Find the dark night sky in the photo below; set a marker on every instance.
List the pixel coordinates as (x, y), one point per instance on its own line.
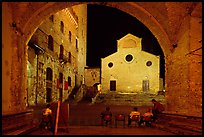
(106, 25)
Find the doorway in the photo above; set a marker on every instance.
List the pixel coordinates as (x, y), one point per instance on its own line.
(112, 85)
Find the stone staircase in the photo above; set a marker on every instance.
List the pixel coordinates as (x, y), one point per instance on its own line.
(132, 99)
(17, 124)
(180, 124)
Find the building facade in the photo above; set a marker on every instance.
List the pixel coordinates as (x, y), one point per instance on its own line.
(130, 69)
(53, 66)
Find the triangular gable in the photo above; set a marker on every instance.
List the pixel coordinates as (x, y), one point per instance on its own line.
(129, 41)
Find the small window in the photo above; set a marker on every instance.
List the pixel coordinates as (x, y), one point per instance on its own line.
(149, 63)
(50, 42)
(62, 26)
(61, 52)
(76, 44)
(69, 81)
(129, 58)
(61, 77)
(110, 64)
(49, 74)
(69, 57)
(70, 36)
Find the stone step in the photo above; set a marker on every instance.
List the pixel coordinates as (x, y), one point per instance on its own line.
(129, 99)
(182, 125)
(23, 130)
(17, 123)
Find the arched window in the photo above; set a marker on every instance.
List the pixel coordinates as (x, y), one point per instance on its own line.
(69, 80)
(76, 44)
(61, 52)
(49, 74)
(50, 42)
(70, 36)
(61, 77)
(70, 57)
(62, 26)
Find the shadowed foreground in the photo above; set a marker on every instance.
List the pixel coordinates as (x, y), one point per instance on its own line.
(84, 119)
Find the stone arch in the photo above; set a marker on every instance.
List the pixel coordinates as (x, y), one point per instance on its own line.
(131, 8)
(46, 10)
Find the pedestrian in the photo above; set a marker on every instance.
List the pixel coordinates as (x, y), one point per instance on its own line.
(132, 114)
(146, 118)
(157, 109)
(106, 116)
(47, 117)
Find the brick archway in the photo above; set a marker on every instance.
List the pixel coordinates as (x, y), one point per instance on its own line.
(129, 7)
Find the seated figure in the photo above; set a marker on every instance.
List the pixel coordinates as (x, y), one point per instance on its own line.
(106, 116)
(146, 118)
(120, 117)
(46, 118)
(134, 116)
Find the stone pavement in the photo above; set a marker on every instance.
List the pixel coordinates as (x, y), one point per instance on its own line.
(101, 130)
(84, 119)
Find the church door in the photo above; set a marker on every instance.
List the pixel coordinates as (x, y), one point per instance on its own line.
(112, 85)
(145, 85)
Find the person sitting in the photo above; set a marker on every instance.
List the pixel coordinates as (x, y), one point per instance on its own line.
(47, 117)
(157, 109)
(133, 113)
(106, 116)
(146, 118)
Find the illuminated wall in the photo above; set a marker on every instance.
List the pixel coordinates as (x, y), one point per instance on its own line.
(92, 76)
(132, 69)
(64, 27)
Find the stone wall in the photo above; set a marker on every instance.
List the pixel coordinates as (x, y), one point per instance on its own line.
(37, 86)
(92, 76)
(183, 71)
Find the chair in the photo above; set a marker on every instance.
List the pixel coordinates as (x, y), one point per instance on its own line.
(120, 117)
(147, 120)
(107, 119)
(136, 119)
(46, 122)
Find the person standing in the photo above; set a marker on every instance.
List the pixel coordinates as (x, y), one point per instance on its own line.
(157, 109)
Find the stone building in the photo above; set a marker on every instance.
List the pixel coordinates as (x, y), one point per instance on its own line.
(92, 80)
(130, 69)
(53, 67)
(92, 76)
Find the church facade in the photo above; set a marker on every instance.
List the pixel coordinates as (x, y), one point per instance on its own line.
(130, 70)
